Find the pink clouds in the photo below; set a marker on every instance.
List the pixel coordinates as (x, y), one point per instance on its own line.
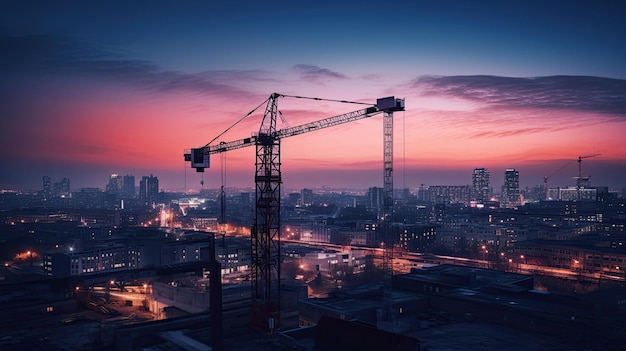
(119, 114)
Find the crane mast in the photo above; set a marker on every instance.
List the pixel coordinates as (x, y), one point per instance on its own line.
(545, 180)
(265, 268)
(266, 229)
(582, 181)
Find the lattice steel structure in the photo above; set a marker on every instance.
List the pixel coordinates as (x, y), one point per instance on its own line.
(265, 241)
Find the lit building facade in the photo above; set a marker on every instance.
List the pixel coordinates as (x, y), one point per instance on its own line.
(318, 233)
(510, 189)
(445, 194)
(416, 238)
(375, 199)
(115, 184)
(46, 187)
(306, 197)
(480, 185)
(98, 260)
(148, 190)
(572, 194)
(62, 188)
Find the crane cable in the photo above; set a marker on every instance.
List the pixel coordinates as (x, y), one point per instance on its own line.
(403, 156)
(281, 95)
(223, 167)
(331, 100)
(234, 124)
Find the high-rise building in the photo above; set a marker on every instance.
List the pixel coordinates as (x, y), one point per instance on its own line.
(148, 189)
(115, 184)
(128, 186)
(62, 188)
(306, 197)
(375, 198)
(46, 187)
(510, 189)
(480, 185)
(446, 194)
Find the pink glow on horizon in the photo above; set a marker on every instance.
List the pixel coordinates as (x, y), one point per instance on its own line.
(140, 134)
(139, 131)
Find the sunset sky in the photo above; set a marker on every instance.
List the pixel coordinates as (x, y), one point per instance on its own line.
(90, 88)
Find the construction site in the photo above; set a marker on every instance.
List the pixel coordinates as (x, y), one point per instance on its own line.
(370, 271)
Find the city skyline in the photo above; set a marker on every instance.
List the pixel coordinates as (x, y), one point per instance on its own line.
(92, 90)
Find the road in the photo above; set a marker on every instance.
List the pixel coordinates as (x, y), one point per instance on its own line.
(410, 259)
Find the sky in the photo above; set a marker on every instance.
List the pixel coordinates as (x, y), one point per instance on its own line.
(92, 88)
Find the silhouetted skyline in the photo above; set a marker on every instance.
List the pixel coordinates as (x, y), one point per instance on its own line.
(116, 87)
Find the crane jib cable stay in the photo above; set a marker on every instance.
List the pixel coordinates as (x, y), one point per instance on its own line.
(545, 179)
(265, 231)
(582, 181)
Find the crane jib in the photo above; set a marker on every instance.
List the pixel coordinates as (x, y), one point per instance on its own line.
(200, 157)
(265, 272)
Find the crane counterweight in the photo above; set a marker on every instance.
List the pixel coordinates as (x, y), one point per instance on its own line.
(390, 104)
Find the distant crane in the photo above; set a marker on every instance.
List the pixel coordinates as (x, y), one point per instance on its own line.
(580, 162)
(581, 181)
(545, 179)
(265, 267)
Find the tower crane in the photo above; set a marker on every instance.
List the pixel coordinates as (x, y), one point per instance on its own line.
(265, 233)
(580, 162)
(545, 179)
(581, 181)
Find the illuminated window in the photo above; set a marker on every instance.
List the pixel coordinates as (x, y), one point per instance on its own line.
(49, 309)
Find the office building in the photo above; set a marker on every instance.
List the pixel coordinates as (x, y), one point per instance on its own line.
(128, 186)
(105, 258)
(61, 189)
(306, 197)
(480, 185)
(115, 184)
(46, 187)
(447, 194)
(148, 189)
(510, 190)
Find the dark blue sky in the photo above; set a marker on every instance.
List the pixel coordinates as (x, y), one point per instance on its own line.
(98, 87)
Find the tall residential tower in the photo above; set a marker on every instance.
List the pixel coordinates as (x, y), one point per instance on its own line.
(480, 185)
(510, 189)
(148, 189)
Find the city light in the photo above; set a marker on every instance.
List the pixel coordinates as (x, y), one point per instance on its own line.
(26, 255)
(313, 253)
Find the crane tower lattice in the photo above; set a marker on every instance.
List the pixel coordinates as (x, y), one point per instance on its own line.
(266, 229)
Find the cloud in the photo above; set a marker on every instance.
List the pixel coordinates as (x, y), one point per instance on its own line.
(513, 132)
(70, 58)
(581, 93)
(316, 74)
